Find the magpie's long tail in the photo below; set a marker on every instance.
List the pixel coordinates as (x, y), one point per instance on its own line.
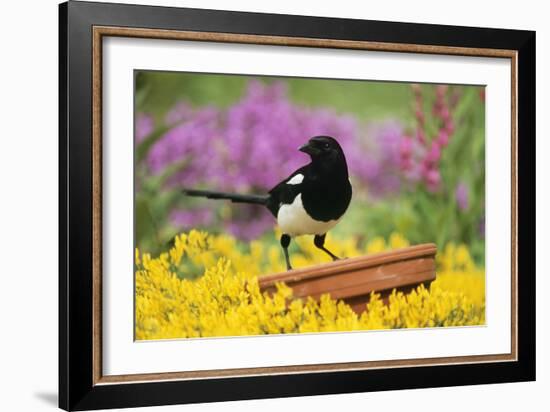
(235, 198)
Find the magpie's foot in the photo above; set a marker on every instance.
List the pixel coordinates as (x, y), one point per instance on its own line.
(285, 241)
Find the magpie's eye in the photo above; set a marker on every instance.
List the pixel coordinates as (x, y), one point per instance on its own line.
(326, 145)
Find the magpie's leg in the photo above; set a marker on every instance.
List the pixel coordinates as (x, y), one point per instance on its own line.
(319, 241)
(285, 241)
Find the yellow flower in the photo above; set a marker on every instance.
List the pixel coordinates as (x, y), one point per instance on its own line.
(397, 241)
(378, 244)
(226, 299)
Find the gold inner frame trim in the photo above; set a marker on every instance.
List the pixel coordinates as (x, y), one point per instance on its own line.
(101, 31)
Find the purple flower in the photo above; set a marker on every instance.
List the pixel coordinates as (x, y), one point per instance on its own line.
(379, 158)
(461, 195)
(144, 126)
(181, 112)
(187, 219)
(250, 223)
(482, 226)
(191, 143)
(265, 125)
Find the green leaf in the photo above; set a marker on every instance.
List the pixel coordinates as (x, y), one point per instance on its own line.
(146, 226)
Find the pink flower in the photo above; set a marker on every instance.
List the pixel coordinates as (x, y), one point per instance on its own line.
(433, 179)
(461, 195)
(434, 154)
(421, 136)
(444, 113)
(406, 146)
(443, 138)
(419, 116)
(449, 127)
(406, 164)
(405, 151)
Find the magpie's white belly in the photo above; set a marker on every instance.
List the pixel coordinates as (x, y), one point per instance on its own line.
(294, 220)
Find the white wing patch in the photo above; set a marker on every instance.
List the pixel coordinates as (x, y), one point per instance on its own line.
(296, 180)
(294, 220)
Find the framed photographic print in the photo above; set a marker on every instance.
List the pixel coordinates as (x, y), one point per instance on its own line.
(256, 205)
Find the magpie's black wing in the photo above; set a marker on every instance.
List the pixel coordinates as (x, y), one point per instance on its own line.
(285, 193)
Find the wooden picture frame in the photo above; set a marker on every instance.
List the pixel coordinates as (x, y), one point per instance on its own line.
(82, 27)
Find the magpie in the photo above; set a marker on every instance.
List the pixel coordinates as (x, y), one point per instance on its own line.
(310, 201)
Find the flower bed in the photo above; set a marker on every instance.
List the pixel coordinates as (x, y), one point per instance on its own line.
(226, 299)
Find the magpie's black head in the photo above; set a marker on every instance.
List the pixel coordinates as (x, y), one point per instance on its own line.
(326, 154)
(322, 148)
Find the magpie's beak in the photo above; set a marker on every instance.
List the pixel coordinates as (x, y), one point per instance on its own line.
(309, 149)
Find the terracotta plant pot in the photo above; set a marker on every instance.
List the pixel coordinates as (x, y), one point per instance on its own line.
(353, 280)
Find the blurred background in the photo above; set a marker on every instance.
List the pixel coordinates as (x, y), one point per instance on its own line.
(415, 153)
